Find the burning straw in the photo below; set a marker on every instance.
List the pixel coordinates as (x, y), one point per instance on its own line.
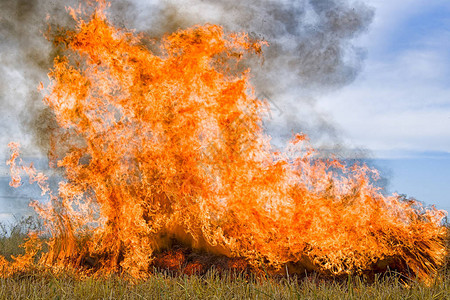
(166, 147)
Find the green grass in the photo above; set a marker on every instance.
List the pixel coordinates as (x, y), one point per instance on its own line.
(12, 235)
(212, 285)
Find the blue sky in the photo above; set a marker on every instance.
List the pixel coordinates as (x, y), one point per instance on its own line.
(399, 106)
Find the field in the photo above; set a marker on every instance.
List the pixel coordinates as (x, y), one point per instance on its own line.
(212, 285)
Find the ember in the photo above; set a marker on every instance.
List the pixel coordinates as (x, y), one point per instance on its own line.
(162, 147)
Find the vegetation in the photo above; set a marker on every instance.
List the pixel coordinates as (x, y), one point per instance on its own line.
(211, 285)
(13, 235)
(37, 284)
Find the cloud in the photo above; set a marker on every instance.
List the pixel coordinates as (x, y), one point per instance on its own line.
(401, 101)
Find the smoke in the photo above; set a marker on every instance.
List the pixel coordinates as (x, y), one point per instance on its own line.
(310, 53)
(25, 59)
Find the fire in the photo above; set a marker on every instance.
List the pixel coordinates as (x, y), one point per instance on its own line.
(165, 145)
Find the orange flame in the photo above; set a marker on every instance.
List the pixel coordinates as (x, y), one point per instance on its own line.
(165, 146)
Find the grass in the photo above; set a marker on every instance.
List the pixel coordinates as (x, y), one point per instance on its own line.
(12, 235)
(212, 285)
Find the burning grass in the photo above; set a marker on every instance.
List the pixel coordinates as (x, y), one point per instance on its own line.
(157, 148)
(166, 283)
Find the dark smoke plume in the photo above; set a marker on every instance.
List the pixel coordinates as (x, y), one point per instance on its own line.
(25, 58)
(310, 52)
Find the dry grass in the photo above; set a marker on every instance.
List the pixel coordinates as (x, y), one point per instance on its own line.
(212, 285)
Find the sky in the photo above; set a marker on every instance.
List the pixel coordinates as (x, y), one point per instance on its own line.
(401, 100)
(397, 107)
